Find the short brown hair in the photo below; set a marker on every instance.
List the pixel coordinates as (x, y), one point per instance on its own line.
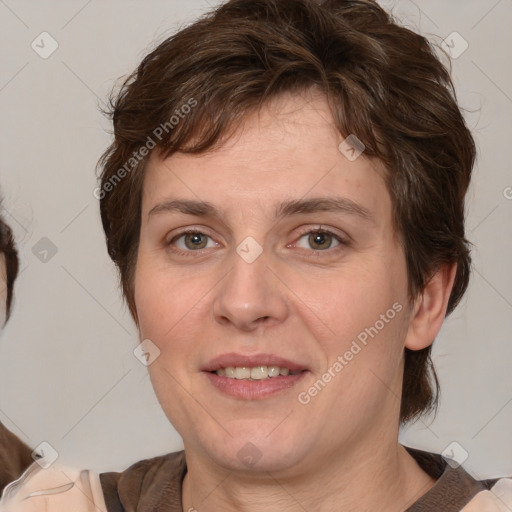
(8, 248)
(384, 84)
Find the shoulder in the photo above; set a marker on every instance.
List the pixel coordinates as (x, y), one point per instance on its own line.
(58, 488)
(146, 484)
(497, 499)
(15, 457)
(456, 490)
(61, 488)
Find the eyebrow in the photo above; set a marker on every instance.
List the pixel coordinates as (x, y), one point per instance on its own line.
(342, 205)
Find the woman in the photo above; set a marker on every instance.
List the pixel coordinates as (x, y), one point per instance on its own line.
(284, 199)
(15, 456)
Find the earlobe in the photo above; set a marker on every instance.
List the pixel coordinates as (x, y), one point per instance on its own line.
(429, 309)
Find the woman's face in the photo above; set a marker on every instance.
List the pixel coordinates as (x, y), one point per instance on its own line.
(257, 281)
(3, 290)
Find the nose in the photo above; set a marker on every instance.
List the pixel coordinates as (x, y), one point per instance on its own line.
(250, 296)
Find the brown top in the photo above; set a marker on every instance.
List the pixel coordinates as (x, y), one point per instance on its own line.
(15, 457)
(154, 485)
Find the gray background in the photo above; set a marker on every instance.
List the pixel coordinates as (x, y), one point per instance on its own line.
(68, 375)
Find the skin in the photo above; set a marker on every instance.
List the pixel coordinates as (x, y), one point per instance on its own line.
(3, 291)
(340, 451)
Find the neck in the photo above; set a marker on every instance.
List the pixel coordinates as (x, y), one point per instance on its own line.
(386, 479)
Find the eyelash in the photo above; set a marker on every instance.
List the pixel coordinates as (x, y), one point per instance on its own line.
(317, 253)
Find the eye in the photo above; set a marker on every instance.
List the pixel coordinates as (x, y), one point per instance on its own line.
(319, 240)
(192, 241)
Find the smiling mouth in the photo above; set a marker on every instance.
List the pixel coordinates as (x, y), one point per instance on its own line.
(261, 372)
(254, 383)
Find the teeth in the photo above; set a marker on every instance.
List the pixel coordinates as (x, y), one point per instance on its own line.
(260, 372)
(242, 372)
(273, 371)
(255, 373)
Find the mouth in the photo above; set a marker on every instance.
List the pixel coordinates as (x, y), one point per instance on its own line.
(253, 377)
(261, 372)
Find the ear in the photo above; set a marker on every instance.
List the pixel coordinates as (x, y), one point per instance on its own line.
(429, 309)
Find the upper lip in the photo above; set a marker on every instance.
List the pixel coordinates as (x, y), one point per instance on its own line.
(234, 359)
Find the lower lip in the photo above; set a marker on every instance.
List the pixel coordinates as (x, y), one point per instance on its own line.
(254, 389)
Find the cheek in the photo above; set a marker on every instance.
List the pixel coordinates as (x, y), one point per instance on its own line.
(168, 303)
(3, 309)
(357, 318)
(351, 299)
(3, 291)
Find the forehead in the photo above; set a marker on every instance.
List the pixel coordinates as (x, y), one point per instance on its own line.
(287, 150)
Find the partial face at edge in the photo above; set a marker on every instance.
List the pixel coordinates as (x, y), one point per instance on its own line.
(3, 291)
(305, 298)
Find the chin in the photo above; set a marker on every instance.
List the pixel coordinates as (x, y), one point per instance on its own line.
(257, 452)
